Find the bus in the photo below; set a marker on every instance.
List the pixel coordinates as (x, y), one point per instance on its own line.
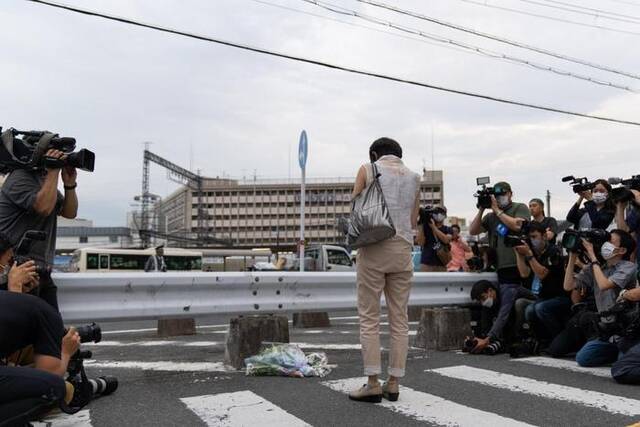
(114, 260)
(234, 259)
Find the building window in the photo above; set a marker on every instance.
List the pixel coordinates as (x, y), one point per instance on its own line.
(84, 239)
(113, 239)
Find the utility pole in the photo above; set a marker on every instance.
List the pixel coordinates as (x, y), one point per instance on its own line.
(548, 203)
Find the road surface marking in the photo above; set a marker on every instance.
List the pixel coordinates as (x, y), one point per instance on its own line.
(565, 364)
(320, 346)
(79, 419)
(161, 366)
(429, 408)
(242, 408)
(606, 402)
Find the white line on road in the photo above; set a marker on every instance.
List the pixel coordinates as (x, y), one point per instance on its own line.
(242, 408)
(606, 402)
(429, 408)
(568, 365)
(162, 366)
(79, 419)
(133, 331)
(321, 346)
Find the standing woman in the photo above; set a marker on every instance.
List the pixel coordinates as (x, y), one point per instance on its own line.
(387, 267)
(598, 210)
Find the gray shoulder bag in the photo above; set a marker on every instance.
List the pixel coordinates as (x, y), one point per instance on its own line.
(370, 221)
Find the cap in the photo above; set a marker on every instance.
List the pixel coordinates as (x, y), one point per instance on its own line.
(160, 247)
(501, 187)
(536, 200)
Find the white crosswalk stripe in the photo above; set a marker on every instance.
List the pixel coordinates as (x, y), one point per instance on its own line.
(568, 365)
(161, 366)
(242, 408)
(429, 408)
(79, 419)
(606, 402)
(159, 343)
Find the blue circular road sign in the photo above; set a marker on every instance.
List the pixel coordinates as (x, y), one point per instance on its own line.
(302, 150)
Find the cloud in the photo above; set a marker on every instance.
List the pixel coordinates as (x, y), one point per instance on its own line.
(229, 111)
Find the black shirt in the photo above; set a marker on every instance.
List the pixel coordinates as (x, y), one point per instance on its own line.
(28, 320)
(432, 245)
(549, 222)
(552, 260)
(590, 217)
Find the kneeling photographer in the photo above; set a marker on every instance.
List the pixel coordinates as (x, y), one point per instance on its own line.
(542, 261)
(434, 237)
(624, 320)
(605, 282)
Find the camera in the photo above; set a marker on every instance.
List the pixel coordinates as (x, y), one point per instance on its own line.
(27, 150)
(572, 239)
(475, 263)
(623, 193)
(512, 240)
(86, 389)
(622, 319)
(579, 184)
(22, 251)
(426, 214)
(484, 193)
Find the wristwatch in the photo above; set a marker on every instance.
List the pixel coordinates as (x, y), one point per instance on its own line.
(71, 187)
(528, 258)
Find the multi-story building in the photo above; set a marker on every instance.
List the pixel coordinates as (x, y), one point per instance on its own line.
(266, 213)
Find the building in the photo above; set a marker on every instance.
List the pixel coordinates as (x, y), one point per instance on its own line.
(77, 233)
(266, 213)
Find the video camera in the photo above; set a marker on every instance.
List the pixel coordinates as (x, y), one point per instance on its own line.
(572, 239)
(86, 389)
(484, 193)
(623, 193)
(579, 184)
(427, 213)
(22, 251)
(27, 150)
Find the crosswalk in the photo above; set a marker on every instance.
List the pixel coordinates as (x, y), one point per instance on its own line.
(424, 404)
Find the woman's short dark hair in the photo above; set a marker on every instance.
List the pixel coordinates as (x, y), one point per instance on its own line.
(456, 226)
(384, 146)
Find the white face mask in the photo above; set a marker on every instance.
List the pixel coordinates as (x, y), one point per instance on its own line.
(488, 303)
(607, 250)
(600, 197)
(503, 201)
(538, 244)
(439, 217)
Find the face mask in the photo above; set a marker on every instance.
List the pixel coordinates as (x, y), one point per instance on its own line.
(488, 303)
(537, 244)
(600, 197)
(607, 250)
(503, 201)
(439, 217)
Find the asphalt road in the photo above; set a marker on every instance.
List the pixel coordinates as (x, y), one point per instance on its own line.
(182, 381)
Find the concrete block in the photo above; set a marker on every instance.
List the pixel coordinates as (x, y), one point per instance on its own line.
(443, 328)
(247, 334)
(311, 320)
(415, 312)
(175, 327)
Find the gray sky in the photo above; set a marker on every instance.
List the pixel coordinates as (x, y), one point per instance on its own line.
(113, 86)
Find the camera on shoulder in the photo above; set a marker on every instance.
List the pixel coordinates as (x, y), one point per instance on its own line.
(622, 193)
(429, 212)
(484, 193)
(27, 150)
(579, 185)
(572, 240)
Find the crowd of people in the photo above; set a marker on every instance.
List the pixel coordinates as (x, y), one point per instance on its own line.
(547, 299)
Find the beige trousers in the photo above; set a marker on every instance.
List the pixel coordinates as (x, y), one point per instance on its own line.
(384, 267)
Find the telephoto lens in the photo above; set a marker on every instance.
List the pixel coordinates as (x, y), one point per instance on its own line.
(104, 386)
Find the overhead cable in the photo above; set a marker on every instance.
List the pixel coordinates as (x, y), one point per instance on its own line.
(472, 48)
(328, 65)
(499, 39)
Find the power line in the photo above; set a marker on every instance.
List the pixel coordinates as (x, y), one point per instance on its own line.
(470, 47)
(550, 18)
(328, 65)
(584, 11)
(630, 3)
(353, 24)
(499, 39)
(591, 9)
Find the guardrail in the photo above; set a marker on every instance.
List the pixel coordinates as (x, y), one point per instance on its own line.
(137, 296)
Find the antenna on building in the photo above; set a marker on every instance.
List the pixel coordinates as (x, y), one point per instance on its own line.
(548, 203)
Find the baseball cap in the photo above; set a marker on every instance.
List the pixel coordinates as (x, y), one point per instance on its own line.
(501, 187)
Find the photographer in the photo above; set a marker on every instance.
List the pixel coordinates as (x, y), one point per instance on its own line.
(542, 259)
(626, 370)
(631, 222)
(550, 225)
(30, 200)
(460, 251)
(598, 210)
(506, 217)
(606, 282)
(434, 238)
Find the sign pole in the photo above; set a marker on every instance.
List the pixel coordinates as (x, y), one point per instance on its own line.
(302, 159)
